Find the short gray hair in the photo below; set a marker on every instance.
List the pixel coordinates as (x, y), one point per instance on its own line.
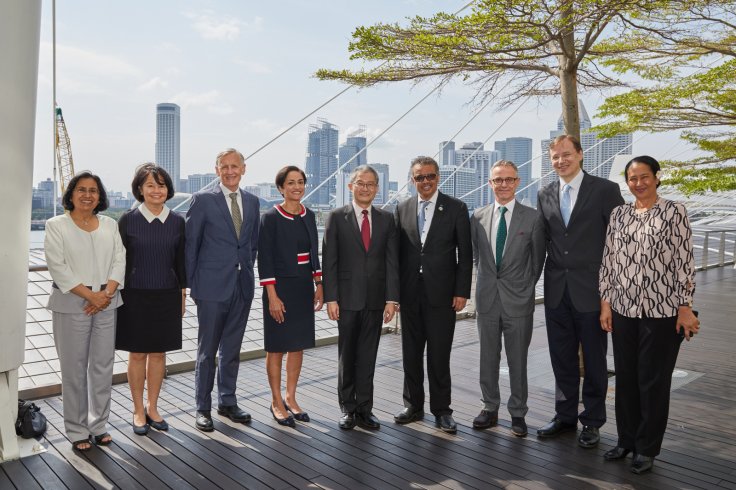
(425, 160)
(360, 169)
(505, 163)
(229, 151)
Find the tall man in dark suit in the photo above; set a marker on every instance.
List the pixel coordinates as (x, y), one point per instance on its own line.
(221, 246)
(509, 249)
(435, 268)
(361, 284)
(576, 209)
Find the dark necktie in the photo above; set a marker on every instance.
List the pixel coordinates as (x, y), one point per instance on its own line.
(235, 212)
(500, 236)
(365, 230)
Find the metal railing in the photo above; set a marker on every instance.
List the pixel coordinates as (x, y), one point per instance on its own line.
(714, 247)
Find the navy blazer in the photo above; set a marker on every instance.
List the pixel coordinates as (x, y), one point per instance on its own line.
(277, 251)
(446, 258)
(575, 251)
(217, 261)
(358, 279)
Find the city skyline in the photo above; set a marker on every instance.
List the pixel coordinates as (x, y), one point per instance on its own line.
(241, 75)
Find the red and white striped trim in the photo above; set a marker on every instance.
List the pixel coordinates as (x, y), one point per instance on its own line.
(287, 215)
(267, 281)
(302, 258)
(317, 273)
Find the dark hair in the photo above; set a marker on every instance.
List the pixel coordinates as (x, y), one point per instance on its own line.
(281, 175)
(160, 175)
(646, 160)
(66, 199)
(572, 139)
(423, 160)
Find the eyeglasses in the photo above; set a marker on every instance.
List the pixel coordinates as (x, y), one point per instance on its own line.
(366, 185)
(427, 177)
(507, 180)
(84, 190)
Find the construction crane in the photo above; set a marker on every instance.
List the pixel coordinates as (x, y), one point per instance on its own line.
(63, 152)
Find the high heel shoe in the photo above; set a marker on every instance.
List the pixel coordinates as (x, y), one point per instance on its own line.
(288, 421)
(301, 416)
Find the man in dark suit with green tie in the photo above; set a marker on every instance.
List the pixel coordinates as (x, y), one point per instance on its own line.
(436, 268)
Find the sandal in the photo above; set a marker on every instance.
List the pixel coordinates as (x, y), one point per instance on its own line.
(103, 439)
(77, 445)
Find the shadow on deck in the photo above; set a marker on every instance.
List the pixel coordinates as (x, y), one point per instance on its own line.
(699, 449)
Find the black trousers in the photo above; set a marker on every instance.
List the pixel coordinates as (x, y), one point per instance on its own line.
(566, 329)
(359, 333)
(423, 324)
(645, 352)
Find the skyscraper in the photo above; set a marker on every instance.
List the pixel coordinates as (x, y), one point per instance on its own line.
(383, 185)
(598, 153)
(352, 148)
(468, 170)
(321, 161)
(168, 140)
(519, 151)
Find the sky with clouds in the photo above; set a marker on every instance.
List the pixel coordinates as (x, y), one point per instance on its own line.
(242, 71)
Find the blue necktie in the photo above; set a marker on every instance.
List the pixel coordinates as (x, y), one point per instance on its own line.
(500, 237)
(422, 217)
(565, 208)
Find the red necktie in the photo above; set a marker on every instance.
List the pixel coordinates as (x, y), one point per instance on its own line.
(365, 230)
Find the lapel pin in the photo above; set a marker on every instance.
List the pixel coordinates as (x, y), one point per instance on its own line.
(440, 208)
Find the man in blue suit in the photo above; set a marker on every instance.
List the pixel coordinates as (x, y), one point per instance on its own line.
(221, 246)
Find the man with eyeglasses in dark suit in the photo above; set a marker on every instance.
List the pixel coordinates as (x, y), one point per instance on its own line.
(435, 271)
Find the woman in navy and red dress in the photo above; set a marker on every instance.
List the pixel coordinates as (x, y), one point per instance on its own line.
(289, 270)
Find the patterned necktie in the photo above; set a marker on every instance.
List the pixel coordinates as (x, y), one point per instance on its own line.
(500, 236)
(422, 217)
(235, 211)
(565, 204)
(365, 230)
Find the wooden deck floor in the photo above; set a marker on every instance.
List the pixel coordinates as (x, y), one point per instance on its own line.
(699, 449)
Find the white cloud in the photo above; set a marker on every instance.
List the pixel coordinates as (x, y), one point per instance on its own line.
(254, 67)
(152, 84)
(221, 27)
(210, 101)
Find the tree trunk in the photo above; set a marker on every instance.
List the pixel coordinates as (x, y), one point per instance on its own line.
(569, 93)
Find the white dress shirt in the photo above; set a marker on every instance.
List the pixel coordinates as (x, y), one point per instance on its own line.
(150, 216)
(574, 188)
(428, 214)
(497, 218)
(359, 216)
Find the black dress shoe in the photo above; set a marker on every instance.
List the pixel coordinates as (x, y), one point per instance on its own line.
(616, 453)
(140, 430)
(160, 425)
(367, 421)
(300, 416)
(589, 437)
(518, 427)
(408, 415)
(204, 421)
(642, 464)
(234, 413)
(288, 421)
(446, 423)
(555, 427)
(485, 419)
(347, 421)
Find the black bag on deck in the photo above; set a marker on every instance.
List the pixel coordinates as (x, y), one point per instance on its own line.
(31, 422)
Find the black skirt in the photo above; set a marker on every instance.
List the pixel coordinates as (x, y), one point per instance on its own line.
(297, 331)
(149, 320)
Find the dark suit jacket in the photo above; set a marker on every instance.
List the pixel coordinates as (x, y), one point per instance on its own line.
(446, 258)
(357, 279)
(575, 251)
(521, 266)
(216, 260)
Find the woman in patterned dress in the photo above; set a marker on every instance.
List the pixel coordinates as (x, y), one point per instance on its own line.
(646, 282)
(289, 270)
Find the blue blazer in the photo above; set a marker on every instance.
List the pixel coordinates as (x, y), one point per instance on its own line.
(216, 260)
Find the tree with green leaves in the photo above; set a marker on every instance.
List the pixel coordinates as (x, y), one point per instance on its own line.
(508, 49)
(687, 58)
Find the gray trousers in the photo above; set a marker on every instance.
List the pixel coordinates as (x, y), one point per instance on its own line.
(517, 335)
(86, 348)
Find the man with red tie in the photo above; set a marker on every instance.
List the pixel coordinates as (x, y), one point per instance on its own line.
(361, 285)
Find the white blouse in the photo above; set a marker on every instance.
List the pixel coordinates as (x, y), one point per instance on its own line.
(75, 256)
